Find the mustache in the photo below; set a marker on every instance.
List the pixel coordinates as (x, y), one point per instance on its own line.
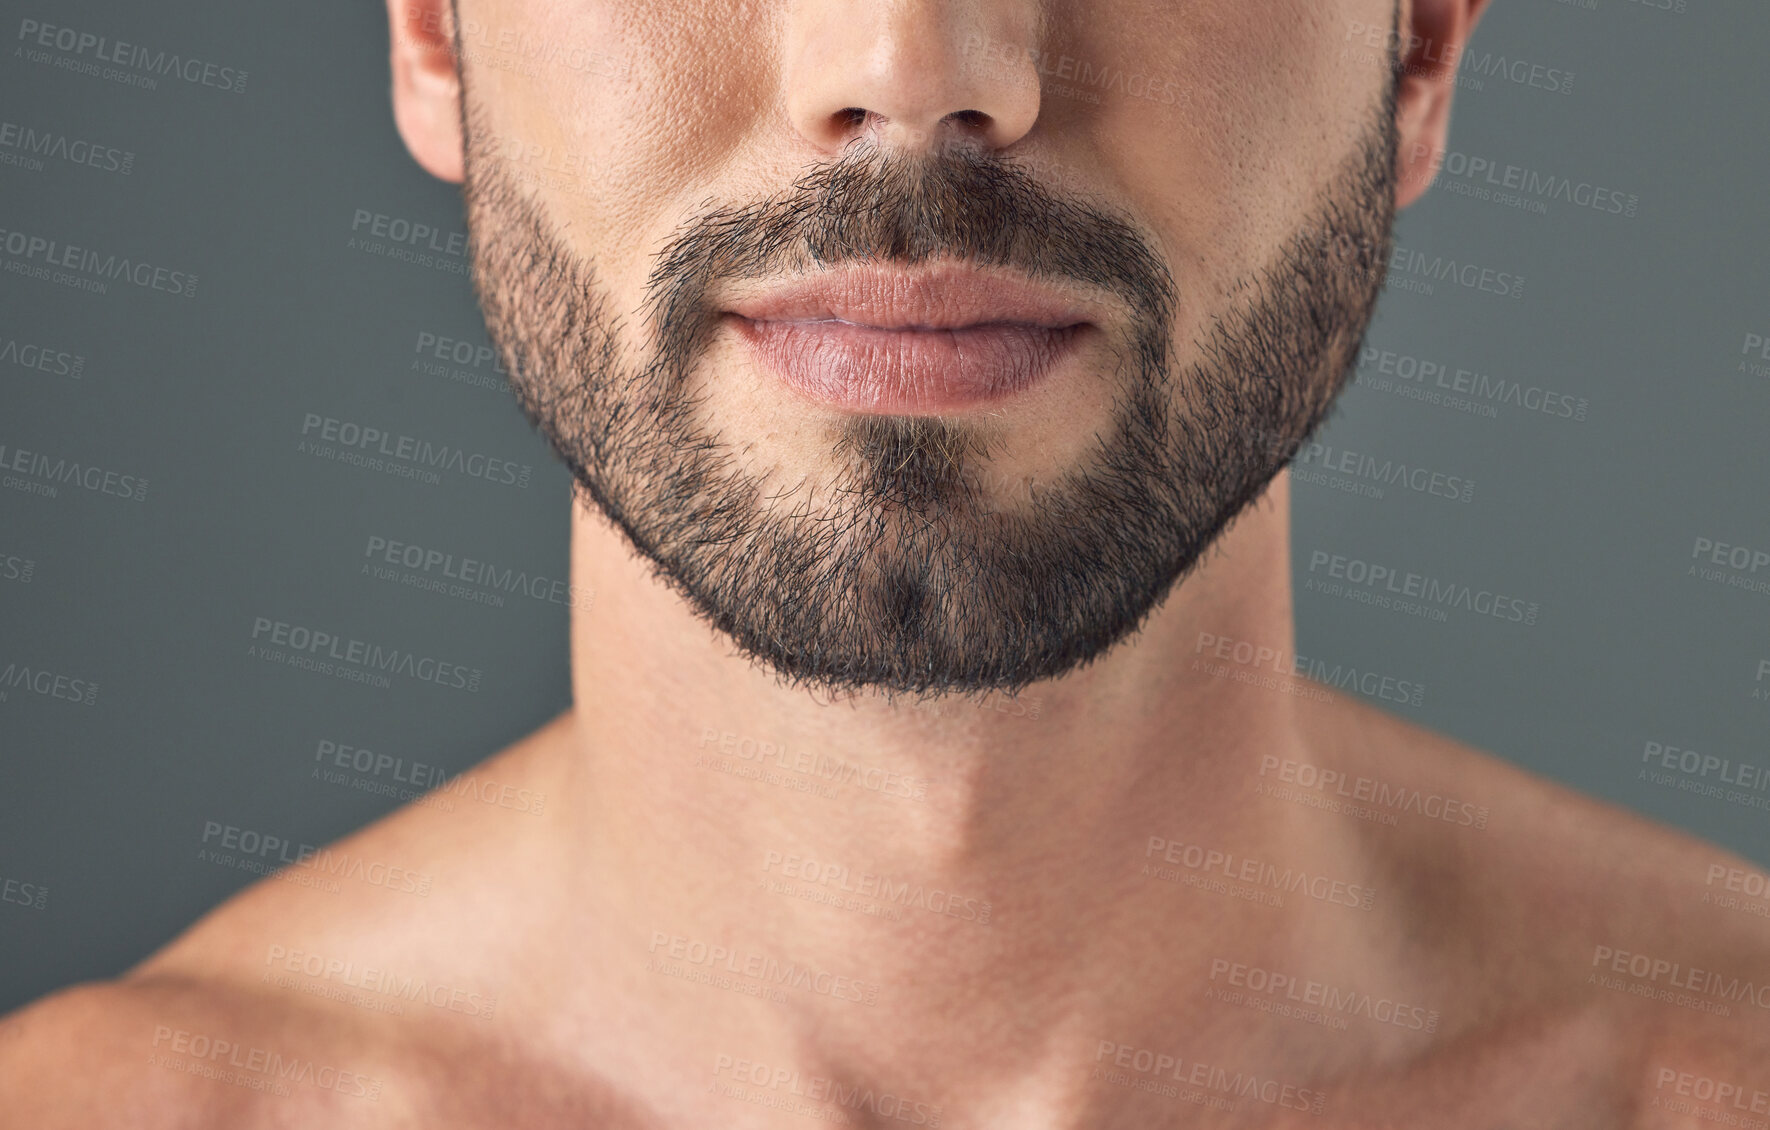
(884, 206)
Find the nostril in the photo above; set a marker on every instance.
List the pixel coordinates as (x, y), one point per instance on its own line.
(971, 119)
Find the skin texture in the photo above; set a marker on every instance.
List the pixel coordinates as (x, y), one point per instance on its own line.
(688, 787)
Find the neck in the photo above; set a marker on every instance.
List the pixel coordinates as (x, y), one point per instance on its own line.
(1020, 862)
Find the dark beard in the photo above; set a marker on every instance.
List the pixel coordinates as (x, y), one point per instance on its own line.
(915, 575)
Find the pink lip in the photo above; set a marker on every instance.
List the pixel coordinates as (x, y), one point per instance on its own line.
(921, 342)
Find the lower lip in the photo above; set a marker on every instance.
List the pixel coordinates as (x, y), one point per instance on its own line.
(907, 371)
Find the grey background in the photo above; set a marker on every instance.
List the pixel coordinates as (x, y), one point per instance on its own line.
(1644, 317)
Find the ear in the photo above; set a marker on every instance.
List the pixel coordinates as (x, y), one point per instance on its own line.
(1433, 34)
(427, 84)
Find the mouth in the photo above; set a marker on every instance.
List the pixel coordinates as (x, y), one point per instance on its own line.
(927, 342)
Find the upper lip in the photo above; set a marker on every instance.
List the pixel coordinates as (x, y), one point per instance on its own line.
(942, 297)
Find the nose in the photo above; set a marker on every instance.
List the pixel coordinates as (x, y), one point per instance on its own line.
(913, 73)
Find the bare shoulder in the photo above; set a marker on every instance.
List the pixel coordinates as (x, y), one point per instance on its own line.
(1549, 903)
(343, 990)
(1502, 835)
(163, 1052)
(422, 884)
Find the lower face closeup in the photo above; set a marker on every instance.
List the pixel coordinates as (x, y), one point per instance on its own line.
(908, 363)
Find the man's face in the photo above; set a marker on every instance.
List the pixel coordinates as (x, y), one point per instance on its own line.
(926, 353)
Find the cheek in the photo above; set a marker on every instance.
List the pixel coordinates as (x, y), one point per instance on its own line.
(636, 110)
(1267, 108)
